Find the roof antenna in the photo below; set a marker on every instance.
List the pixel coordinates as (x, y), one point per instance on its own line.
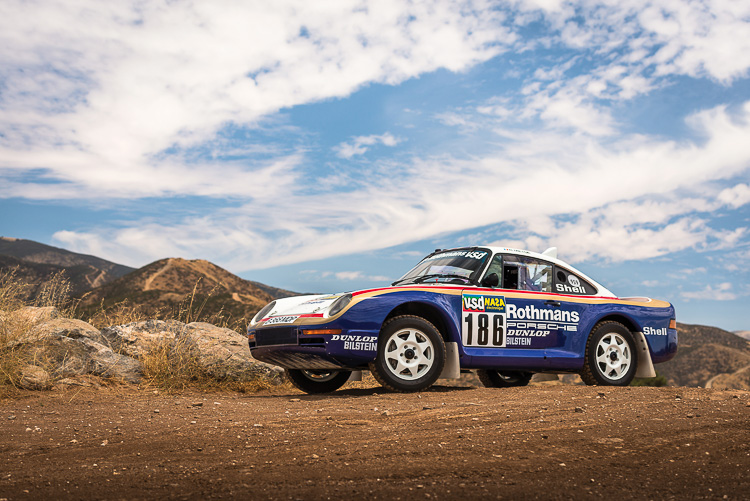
(551, 252)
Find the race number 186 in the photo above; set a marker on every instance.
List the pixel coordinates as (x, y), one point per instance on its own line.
(483, 329)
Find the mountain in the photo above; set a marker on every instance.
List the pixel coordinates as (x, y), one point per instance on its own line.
(38, 262)
(161, 288)
(705, 353)
(743, 334)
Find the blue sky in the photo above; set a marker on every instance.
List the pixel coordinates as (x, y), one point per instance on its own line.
(324, 146)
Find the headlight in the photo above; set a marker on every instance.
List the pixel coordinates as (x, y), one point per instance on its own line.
(338, 305)
(262, 313)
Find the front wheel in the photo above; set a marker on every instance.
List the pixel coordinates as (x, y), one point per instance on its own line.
(503, 379)
(411, 354)
(317, 381)
(611, 357)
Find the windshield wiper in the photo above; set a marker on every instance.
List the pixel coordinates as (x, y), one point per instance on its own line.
(421, 279)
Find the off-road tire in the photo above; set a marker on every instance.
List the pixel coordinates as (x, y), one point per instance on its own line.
(592, 374)
(503, 379)
(305, 381)
(408, 329)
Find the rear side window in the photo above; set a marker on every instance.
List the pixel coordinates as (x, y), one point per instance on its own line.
(570, 283)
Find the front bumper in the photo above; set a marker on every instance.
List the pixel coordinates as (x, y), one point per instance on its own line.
(287, 346)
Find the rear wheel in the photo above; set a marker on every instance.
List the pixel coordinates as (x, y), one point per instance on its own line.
(411, 354)
(611, 357)
(317, 381)
(503, 379)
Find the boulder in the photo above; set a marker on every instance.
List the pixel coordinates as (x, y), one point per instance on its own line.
(225, 353)
(64, 327)
(75, 348)
(35, 378)
(34, 315)
(137, 338)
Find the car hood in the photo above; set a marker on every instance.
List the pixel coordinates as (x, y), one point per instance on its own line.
(313, 304)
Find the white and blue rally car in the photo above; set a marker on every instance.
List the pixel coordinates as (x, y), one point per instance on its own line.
(506, 313)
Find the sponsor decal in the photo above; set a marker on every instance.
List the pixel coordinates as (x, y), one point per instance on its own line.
(531, 312)
(579, 289)
(483, 320)
(357, 343)
(467, 254)
(484, 303)
(533, 327)
(653, 331)
(288, 319)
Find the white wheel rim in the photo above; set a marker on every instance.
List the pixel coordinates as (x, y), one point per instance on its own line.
(613, 356)
(320, 377)
(409, 354)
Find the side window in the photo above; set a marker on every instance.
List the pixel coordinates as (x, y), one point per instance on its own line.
(526, 274)
(569, 283)
(496, 266)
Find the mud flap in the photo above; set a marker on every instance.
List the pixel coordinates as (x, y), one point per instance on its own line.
(452, 368)
(645, 365)
(355, 376)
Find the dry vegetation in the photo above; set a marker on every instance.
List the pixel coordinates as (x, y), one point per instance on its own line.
(172, 365)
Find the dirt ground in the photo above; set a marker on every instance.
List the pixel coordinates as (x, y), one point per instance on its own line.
(539, 442)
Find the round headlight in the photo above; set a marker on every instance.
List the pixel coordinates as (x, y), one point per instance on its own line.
(262, 313)
(338, 305)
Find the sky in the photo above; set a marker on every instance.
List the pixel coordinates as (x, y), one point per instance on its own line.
(327, 146)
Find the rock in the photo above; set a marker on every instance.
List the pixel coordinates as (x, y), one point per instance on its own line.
(62, 327)
(76, 348)
(226, 354)
(35, 315)
(137, 338)
(35, 378)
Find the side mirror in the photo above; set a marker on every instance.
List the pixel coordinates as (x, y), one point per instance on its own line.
(491, 280)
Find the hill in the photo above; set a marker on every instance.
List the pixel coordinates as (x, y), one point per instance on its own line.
(38, 262)
(705, 353)
(162, 288)
(743, 334)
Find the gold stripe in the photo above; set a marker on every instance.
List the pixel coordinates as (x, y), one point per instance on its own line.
(653, 303)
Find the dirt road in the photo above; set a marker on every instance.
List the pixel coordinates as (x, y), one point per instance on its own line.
(540, 442)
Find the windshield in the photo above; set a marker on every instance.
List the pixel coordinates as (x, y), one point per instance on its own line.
(454, 266)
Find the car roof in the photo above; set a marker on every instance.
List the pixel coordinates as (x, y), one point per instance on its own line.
(601, 290)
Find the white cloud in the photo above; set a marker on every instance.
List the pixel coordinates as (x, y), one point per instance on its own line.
(722, 292)
(113, 97)
(736, 196)
(627, 198)
(359, 145)
(93, 93)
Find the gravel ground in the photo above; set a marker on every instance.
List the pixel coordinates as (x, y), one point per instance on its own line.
(538, 442)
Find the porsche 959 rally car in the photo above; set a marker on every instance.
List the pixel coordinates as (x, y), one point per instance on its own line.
(506, 313)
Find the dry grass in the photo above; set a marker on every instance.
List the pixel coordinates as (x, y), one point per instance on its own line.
(14, 355)
(118, 314)
(192, 309)
(173, 365)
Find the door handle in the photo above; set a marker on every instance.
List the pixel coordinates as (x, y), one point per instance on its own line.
(552, 303)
